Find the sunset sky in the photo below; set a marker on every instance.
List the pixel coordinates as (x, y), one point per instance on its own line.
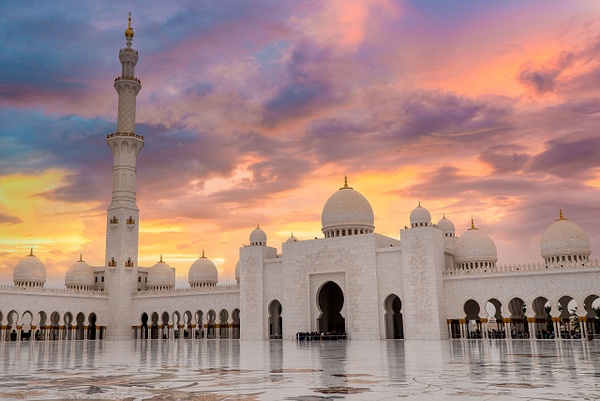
(253, 112)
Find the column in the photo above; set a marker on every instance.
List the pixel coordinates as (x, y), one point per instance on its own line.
(484, 328)
(449, 321)
(506, 328)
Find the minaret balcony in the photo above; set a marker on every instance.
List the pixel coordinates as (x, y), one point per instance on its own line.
(114, 221)
(112, 263)
(131, 134)
(134, 79)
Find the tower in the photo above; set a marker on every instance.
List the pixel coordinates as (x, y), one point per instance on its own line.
(123, 214)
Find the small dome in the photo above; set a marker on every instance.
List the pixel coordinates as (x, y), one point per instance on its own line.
(80, 274)
(475, 246)
(258, 237)
(237, 272)
(420, 217)
(292, 239)
(129, 31)
(203, 272)
(346, 212)
(161, 276)
(564, 237)
(446, 226)
(30, 272)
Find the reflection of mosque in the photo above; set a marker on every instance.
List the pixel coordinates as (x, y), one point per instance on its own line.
(426, 284)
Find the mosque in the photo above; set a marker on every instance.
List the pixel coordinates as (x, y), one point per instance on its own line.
(428, 283)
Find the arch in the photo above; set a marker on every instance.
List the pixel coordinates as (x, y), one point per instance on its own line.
(91, 329)
(330, 300)
(144, 328)
(154, 326)
(394, 325)
(235, 318)
(223, 324)
(211, 318)
(54, 326)
(26, 323)
(176, 325)
(165, 326)
(569, 320)
(199, 324)
(519, 327)
(41, 331)
(542, 320)
(187, 323)
(275, 321)
(473, 322)
(495, 325)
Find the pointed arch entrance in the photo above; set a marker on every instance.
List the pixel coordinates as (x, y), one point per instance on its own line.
(330, 300)
(394, 326)
(275, 321)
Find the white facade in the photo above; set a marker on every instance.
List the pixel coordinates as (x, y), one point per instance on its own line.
(428, 283)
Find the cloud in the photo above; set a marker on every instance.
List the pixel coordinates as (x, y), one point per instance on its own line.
(9, 220)
(505, 158)
(568, 157)
(307, 86)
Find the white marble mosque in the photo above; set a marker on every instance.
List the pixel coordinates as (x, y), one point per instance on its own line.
(426, 284)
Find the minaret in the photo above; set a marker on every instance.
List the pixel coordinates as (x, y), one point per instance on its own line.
(123, 214)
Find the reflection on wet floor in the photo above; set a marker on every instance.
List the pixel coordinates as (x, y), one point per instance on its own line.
(217, 370)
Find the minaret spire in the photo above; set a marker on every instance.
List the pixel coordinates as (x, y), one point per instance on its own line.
(122, 223)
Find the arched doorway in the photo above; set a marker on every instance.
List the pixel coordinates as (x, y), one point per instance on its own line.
(275, 322)
(79, 327)
(235, 317)
(144, 329)
(331, 300)
(91, 331)
(394, 326)
(472, 321)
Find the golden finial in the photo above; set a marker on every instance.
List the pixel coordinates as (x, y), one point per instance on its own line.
(161, 261)
(346, 183)
(129, 31)
(80, 257)
(419, 205)
(473, 225)
(203, 257)
(443, 216)
(31, 252)
(560, 215)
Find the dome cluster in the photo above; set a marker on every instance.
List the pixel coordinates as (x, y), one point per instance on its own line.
(347, 212)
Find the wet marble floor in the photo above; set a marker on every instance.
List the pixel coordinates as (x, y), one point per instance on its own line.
(215, 370)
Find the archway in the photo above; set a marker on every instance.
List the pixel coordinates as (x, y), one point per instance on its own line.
(473, 323)
(569, 321)
(40, 333)
(54, 326)
(223, 324)
(26, 322)
(187, 323)
(199, 324)
(591, 304)
(275, 321)
(154, 327)
(11, 328)
(495, 325)
(79, 328)
(542, 326)
(165, 326)
(144, 330)
(518, 321)
(235, 317)
(211, 318)
(331, 300)
(91, 331)
(394, 326)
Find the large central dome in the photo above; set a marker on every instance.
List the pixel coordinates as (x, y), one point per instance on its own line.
(347, 212)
